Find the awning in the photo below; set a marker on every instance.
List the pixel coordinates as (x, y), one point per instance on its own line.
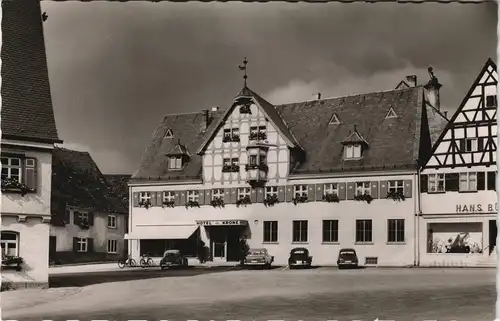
(161, 232)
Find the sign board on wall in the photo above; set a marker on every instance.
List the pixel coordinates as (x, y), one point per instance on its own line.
(223, 223)
(477, 208)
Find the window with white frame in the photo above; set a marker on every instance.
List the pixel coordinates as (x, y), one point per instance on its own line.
(175, 162)
(435, 183)
(112, 246)
(144, 197)
(82, 216)
(112, 221)
(82, 244)
(395, 187)
(10, 243)
(363, 188)
(300, 231)
(217, 193)
(168, 196)
(331, 189)
(468, 182)
(395, 230)
(243, 192)
(300, 190)
(470, 145)
(270, 231)
(271, 191)
(352, 151)
(193, 196)
(11, 168)
(330, 231)
(227, 132)
(364, 231)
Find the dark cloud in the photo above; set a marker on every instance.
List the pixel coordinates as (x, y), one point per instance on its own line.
(116, 68)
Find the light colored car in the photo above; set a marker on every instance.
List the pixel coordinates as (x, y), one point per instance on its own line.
(258, 257)
(173, 258)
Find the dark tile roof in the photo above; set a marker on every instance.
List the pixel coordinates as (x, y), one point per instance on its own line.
(190, 129)
(354, 137)
(393, 142)
(27, 112)
(77, 181)
(119, 186)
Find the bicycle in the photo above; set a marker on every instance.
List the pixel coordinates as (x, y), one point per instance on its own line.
(146, 261)
(127, 262)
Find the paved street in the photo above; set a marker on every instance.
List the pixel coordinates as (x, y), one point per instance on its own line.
(317, 294)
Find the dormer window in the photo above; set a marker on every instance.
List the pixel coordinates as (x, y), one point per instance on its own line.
(352, 151)
(258, 133)
(175, 162)
(231, 135)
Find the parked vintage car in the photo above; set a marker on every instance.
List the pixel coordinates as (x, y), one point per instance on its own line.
(347, 258)
(173, 258)
(299, 257)
(258, 257)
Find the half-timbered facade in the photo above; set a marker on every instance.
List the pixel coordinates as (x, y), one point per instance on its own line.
(28, 136)
(323, 174)
(458, 183)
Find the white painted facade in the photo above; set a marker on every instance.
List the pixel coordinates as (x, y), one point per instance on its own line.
(27, 217)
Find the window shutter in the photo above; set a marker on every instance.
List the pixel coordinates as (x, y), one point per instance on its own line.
(253, 195)
(135, 196)
(374, 190)
(201, 200)
(30, 173)
(90, 245)
(384, 187)
(281, 193)
(75, 244)
(480, 144)
(67, 216)
(159, 198)
(289, 193)
(462, 145)
(76, 218)
(491, 181)
(481, 181)
(311, 192)
(182, 198)
(408, 191)
(227, 195)
(260, 194)
(350, 191)
(177, 198)
(91, 218)
(342, 191)
(424, 183)
(319, 192)
(451, 182)
(153, 198)
(234, 195)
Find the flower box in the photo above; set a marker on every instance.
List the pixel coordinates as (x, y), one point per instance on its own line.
(13, 185)
(169, 204)
(84, 224)
(331, 198)
(245, 109)
(262, 167)
(364, 197)
(258, 136)
(271, 200)
(397, 196)
(217, 202)
(12, 262)
(230, 168)
(145, 204)
(192, 204)
(243, 201)
(299, 199)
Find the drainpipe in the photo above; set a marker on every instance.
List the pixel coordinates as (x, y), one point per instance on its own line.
(417, 218)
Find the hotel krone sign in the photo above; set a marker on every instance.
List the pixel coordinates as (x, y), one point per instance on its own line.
(222, 222)
(477, 208)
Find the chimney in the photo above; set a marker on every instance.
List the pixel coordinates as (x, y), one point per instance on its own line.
(207, 119)
(216, 108)
(319, 96)
(431, 90)
(411, 80)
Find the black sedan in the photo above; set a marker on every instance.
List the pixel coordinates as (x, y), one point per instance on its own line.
(173, 258)
(347, 258)
(299, 257)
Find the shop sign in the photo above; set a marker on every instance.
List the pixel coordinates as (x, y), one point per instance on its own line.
(475, 208)
(222, 222)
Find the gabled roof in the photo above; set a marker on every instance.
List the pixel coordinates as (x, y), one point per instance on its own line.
(354, 137)
(178, 150)
(27, 112)
(77, 181)
(402, 85)
(269, 111)
(451, 123)
(119, 186)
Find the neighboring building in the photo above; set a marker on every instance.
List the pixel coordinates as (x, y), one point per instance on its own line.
(89, 219)
(458, 183)
(301, 174)
(119, 186)
(28, 137)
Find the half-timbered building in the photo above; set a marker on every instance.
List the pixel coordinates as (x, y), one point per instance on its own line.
(458, 193)
(323, 174)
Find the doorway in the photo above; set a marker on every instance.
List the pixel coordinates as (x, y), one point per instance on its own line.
(224, 242)
(52, 246)
(492, 235)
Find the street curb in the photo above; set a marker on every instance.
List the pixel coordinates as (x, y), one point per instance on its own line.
(83, 264)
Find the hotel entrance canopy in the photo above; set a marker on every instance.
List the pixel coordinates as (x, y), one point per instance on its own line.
(162, 232)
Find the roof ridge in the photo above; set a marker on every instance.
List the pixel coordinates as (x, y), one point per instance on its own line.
(347, 96)
(188, 113)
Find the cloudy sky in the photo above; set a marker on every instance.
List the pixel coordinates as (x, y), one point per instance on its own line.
(117, 68)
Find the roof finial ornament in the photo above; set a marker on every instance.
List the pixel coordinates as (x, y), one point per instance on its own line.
(244, 68)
